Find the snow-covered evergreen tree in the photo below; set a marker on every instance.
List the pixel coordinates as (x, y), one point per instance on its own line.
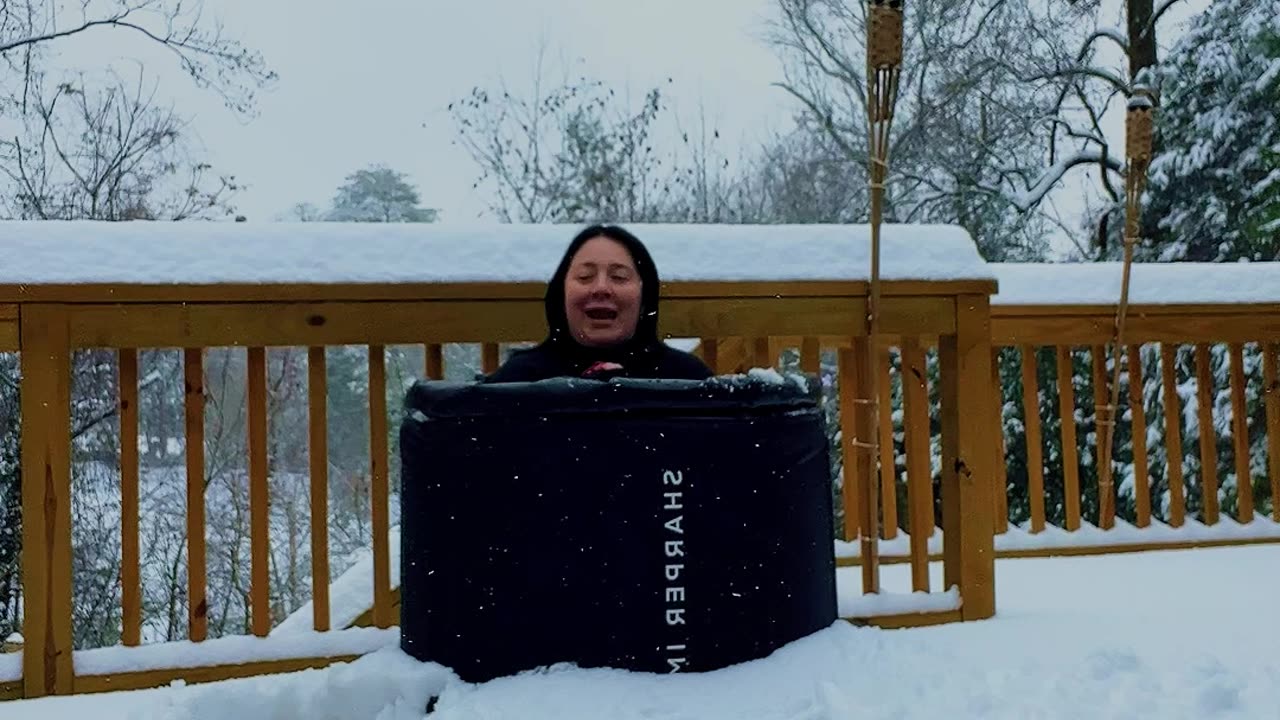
(1215, 186)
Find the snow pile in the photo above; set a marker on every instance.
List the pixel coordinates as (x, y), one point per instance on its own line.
(1017, 538)
(141, 252)
(853, 603)
(773, 377)
(1125, 533)
(386, 685)
(1150, 283)
(10, 667)
(350, 596)
(233, 650)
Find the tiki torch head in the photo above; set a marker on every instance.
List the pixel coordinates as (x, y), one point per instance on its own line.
(884, 34)
(1139, 128)
(1139, 131)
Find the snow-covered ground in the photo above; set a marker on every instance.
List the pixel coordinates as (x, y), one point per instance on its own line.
(1180, 634)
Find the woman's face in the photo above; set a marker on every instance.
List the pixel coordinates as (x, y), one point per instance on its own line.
(602, 293)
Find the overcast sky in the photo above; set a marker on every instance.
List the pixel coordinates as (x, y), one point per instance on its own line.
(368, 82)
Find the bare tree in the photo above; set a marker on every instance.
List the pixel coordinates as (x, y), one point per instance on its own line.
(980, 103)
(108, 152)
(200, 46)
(567, 152)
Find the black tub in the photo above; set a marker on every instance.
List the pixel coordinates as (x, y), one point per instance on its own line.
(654, 526)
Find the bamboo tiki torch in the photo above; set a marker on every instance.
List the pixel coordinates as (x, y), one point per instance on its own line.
(884, 62)
(1138, 142)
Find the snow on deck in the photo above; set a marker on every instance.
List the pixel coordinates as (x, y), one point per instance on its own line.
(1089, 536)
(73, 252)
(351, 595)
(1181, 634)
(232, 650)
(1149, 283)
(10, 666)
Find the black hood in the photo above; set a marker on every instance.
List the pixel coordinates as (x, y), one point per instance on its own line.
(645, 340)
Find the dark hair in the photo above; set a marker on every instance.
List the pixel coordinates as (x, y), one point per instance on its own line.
(646, 332)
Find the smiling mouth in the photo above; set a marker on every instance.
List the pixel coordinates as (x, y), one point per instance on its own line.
(602, 314)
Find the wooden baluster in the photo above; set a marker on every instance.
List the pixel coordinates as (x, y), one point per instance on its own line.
(1070, 453)
(848, 372)
(1001, 487)
(380, 487)
(259, 495)
(1035, 442)
(888, 468)
(197, 559)
(1172, 434)
(915, 412)
(1208, 438)
(1102, 453)
(711, 353)
(1240, 436)
(761, 357)
(130, 576)
(810, 356)
(434, 361)
(318, 450)
(1141, 474)
(490, 356)
(1271, 381)
(868, 495)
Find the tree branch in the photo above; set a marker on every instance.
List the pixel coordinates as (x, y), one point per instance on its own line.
(1028, 199)
(1084, 71)
(1158, 13)
(36, 39)
(827, 122)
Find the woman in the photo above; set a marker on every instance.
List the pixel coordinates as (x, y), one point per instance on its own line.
(602, 311)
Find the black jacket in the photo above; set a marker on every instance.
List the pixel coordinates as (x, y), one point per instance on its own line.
(643, 356)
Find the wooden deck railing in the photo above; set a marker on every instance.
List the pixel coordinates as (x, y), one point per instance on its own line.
(1052, 504)
(1180, 345)
(48, 324)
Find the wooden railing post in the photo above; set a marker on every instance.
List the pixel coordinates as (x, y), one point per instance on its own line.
(46, 500)
(968, 458)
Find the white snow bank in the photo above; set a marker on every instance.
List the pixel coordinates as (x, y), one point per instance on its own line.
(1149, 284)
(1062, 647)
(233, 651)
(386, 685)
(1089, 535)
(10, 667)
(154, 252)
(350, 596)
(854, 604)
(1124, 533)
(14, 638)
